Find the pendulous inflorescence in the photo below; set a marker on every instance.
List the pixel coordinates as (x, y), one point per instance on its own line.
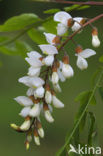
(46, 71)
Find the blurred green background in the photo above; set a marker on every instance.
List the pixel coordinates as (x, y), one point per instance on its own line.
(11, 143)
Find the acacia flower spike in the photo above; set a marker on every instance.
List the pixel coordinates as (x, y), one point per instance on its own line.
(45, 72)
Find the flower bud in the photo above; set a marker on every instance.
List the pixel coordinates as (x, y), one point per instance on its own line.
(48, 61)
(26, 124)
(47, 113)
(57, 88)
(56, 102)
(95, 39)
(40, 129)
(36, 137)
(15, 127)
(27, 144)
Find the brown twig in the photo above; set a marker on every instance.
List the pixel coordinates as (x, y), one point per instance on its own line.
(79, 3)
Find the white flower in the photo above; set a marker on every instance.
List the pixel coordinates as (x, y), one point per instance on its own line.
(57, 87)
(95, 41)
(30, 92)
(48, 116)
(39, 92)
(35, 111)
(61, 77)
(34, 82)
(57, 103)
(48, 97)
(48, 49)
(67, 71)
(61, 29)
(34, 71)
(37, 140)
(48, 60)
(25, 112)
(62, 17)
(41, 132)
(81, 61)
(50, 37)
(55, 78)
(26, 125)
(24, 101)
(76, 26)
(65, 20)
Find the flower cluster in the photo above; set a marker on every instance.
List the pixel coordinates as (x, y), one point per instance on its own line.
(44, 74)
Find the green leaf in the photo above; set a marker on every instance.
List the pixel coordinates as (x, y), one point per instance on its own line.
(101, 92)
(50, 25)
(71, 8)
(15, 48)
(51, 11)
(37, 36)
(19, 22)
(101, 59)
(84, 96)
(91, 128)
(84, 7)
(95, 75)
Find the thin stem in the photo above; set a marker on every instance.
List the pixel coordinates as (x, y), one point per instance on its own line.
(79, 3)
(79, 120)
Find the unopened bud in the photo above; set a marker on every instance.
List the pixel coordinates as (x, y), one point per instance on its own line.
(78, 49)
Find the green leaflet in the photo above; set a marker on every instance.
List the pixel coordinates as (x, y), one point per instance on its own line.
(50, 25)
(19, 22)
(37, 36)
(101, 92)
(15, 48)
(71, 8)
(51, 11)
(101, 59)
(84, 7)
(91, 125)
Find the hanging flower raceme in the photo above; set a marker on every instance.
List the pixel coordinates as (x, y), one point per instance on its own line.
(44, 76)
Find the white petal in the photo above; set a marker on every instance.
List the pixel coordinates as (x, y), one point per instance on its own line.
(37, 140)
(82, 63)
(48, 49)
(48, 61)
(34, 62)
(34, 71)
(55, 78)
(62, 17)
(48, 116)
(34, 54)
(67, 71)
(87, 53)
(76, 25)
(25, 112)
(26, 125)
(41, 132)
(57, 88)
(32, 81)
(95, 41)
(61, 29)
(39, 92)
(30, 92)
(49, 37)
(24, 101)
(48, 97)
(35, 111)
(61, 77)
(57, 103)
